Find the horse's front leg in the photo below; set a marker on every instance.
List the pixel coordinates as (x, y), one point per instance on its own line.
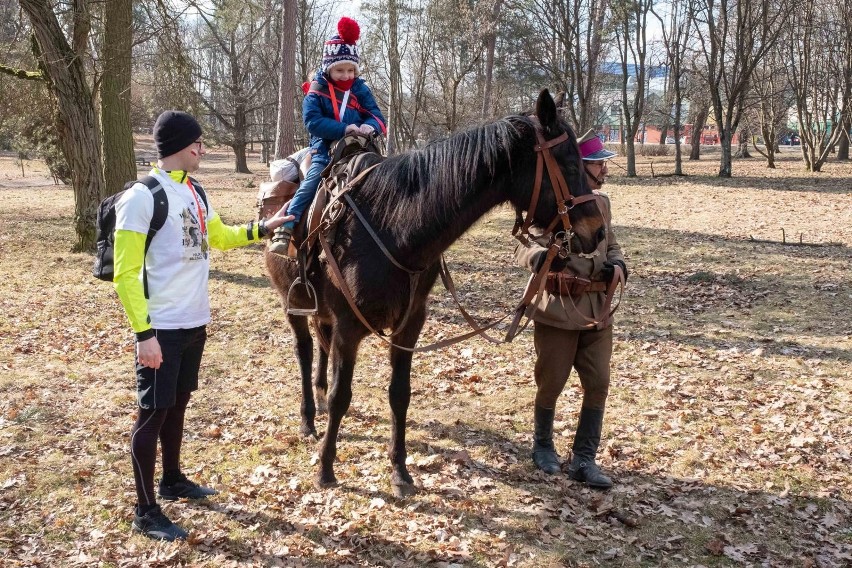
(399, 396)
(304, 349)
(344, 350)
(321, 375)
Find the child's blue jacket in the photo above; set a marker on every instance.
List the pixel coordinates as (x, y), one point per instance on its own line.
(318, 113)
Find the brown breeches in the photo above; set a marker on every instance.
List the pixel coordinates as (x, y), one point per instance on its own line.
(558, 350)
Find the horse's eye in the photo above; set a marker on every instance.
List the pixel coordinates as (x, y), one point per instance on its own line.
(601, 234)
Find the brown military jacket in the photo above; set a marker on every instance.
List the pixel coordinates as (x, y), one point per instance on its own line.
(567, 312)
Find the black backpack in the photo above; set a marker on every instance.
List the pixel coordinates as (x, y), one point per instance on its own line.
(105, 237)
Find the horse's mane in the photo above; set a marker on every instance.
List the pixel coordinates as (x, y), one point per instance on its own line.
(425, 183)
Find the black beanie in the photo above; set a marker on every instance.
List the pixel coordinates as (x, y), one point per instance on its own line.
(174, 131)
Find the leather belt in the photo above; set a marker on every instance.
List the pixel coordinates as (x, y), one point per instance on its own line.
(564, 284)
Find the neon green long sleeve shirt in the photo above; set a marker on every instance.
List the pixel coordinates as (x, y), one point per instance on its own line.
(129, 258)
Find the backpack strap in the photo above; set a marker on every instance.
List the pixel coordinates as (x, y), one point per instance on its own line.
(158, 219)
(318, 88)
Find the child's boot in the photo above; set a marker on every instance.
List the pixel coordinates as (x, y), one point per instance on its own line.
(281, 240)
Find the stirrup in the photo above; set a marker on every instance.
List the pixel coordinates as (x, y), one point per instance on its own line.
(311, 293)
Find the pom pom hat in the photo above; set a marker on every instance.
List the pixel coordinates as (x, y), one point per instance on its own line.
(341, 47)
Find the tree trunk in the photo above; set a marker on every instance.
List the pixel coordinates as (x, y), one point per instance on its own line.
(241, 161)
(843, 143)
(631, 156)
(770, 145)
(698, 132)
(78, 130)
(285, 132)
(490, 45)
(725, 161)
(742, 143)
(395, 76)
(118, 155)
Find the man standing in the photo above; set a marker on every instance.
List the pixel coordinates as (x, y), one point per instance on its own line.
(164, 293)
(565, 340)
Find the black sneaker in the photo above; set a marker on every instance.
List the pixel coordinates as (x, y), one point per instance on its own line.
(186, 489)
(155, 525)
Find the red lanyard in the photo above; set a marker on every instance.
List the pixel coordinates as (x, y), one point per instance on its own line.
(198, 206)
(334, 103)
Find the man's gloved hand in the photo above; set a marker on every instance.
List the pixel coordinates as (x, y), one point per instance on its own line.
(558, 264)
(608, 270)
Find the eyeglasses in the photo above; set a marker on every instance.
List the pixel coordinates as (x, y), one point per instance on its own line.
(200, 143)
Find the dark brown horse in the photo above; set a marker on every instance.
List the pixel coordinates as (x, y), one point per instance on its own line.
(418, 203)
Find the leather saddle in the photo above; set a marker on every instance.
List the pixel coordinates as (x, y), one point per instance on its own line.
(351, 156)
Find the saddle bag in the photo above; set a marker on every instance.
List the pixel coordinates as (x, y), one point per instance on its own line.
(272, 196)
(565, 284)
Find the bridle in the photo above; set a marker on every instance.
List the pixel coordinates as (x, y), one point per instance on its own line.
(565, 202)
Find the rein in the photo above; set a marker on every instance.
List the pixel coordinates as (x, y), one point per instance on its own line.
(565, 202)
(535, 286)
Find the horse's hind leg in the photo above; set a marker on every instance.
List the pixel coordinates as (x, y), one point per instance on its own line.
(321, 375)
(304, 348)
(399, 396)
(344, 349)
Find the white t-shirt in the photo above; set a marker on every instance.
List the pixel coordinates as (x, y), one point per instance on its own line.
(177, 263)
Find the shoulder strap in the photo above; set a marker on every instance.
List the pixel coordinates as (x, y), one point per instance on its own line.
(324, 91)
(158, 219)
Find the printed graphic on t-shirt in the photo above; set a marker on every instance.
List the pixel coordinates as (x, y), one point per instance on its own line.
(195, 245)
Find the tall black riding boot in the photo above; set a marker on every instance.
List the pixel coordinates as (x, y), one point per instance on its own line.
(544, 453)
(586, 442)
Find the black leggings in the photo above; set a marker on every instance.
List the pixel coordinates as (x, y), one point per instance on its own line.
(167, 425)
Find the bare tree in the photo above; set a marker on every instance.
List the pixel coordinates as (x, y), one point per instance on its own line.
(566, 40)
(676, 34)
(631, 21)
(769, 102)
(453, 61)
(118, 156)
(226, 79)
(490, 46)
(395, 119)
(80, 138)
(733, 37)
(820, 71)
(286, 123)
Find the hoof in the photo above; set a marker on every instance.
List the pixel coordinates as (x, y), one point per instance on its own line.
(325, 481)
(401, 477)
(403, 490)
(308, 431)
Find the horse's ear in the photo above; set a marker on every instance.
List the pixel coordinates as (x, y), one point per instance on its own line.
(559, 101)
(545, 110)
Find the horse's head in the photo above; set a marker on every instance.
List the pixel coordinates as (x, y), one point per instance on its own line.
(562, 182)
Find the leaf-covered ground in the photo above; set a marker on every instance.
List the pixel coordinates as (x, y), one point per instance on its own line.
(728, 430)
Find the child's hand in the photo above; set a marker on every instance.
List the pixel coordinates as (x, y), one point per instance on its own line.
(366, 129)
(351, 129)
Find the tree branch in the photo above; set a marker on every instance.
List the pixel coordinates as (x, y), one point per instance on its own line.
(22, 73)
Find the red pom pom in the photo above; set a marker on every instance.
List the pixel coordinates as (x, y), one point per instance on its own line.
(349, 30)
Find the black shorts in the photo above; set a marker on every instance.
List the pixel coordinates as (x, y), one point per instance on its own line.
(182, 350)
